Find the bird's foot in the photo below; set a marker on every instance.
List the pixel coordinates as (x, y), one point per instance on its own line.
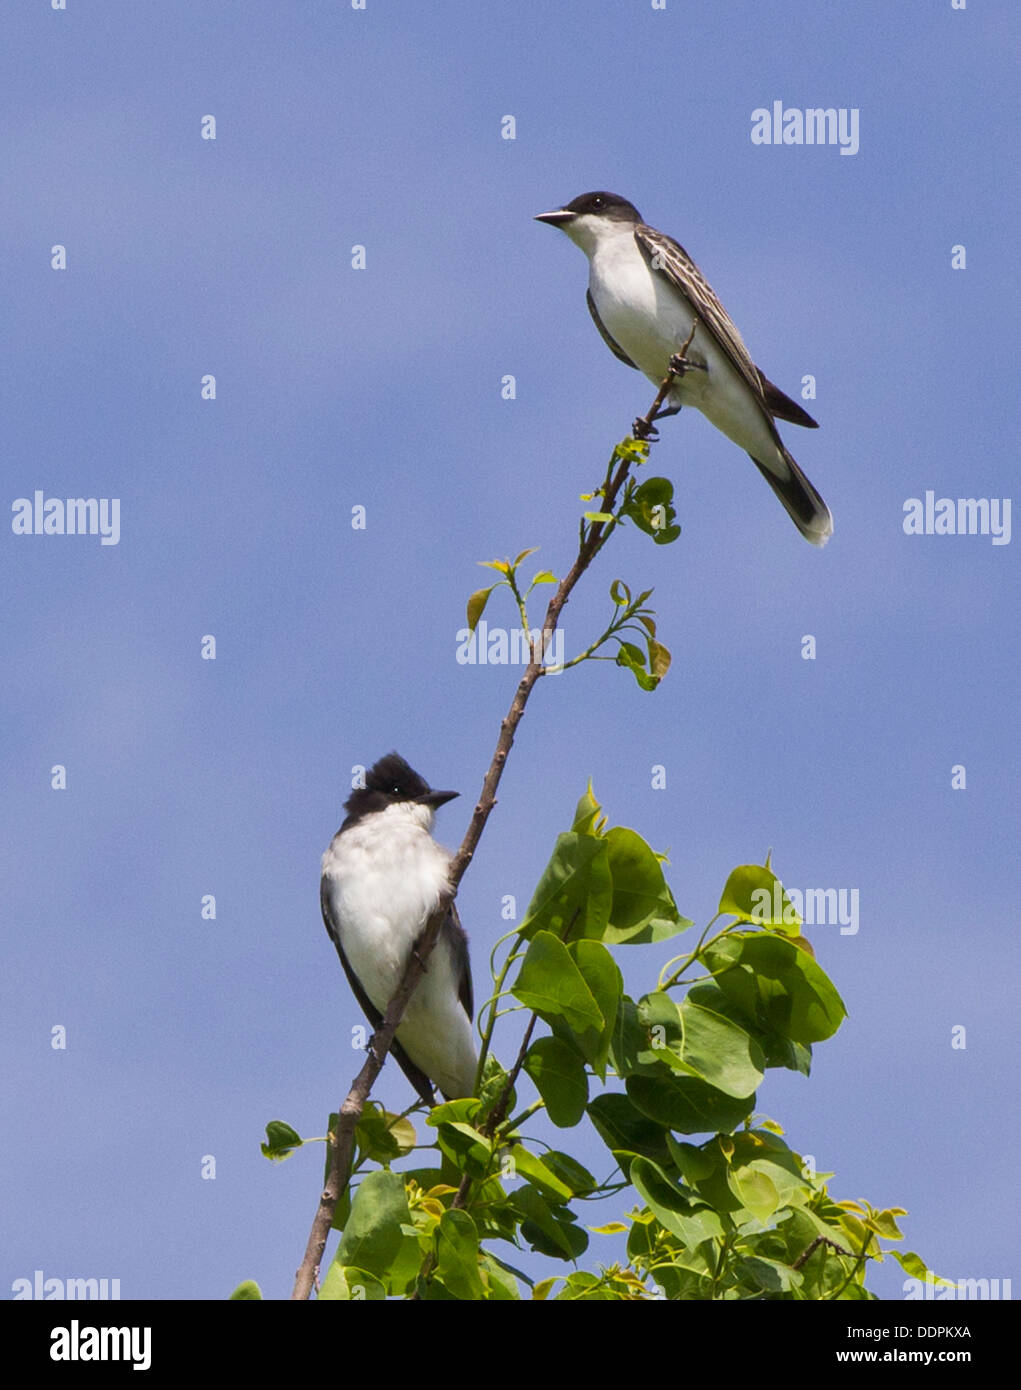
(644, 430)
(679, 364)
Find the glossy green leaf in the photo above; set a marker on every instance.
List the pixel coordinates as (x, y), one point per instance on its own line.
(457, 1256)
(625, 1129)
(753, 893)
(692, 1222)
(577, 1179)
(775, 983)
(373, 1235)
(249, 1291)
(700, 1043)
(651, 508)
(688, 1105)
(477, 605)
(347, 1284)
(550, 1230)
(587, 814)
(281, 1141)
(574, 895)
(498, 1279)
(533, 550)
(642, 908)
(560, 1078)
(603, 979)
(551, 984)
(382, 1135)
(632, 658)
(534, 1171)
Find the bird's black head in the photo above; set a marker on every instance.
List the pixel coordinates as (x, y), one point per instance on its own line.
(387, 782)
(606, 205)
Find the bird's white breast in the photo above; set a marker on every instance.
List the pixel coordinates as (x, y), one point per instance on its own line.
(384, 877)
(386, 874)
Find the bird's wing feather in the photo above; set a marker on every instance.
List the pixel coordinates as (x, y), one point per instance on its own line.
(458, 940)
(614, 347)
(668, 257)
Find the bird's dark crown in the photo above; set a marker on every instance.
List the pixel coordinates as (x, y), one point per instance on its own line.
(387, 781)
(395, 778)
(604, 204)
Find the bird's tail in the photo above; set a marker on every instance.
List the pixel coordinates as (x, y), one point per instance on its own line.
(802, 503)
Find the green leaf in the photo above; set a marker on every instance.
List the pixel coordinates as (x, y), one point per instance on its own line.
(383, 1136)
(651, 508)
(687, 1104)
(466, 1147)
(693, 1039)
(281, 1141)
(501, 566)
(914, 1265)
(577, 1179)
(598, 516)
(755, 1191)
(764, 1174)
(574, 895)
(776, 985)
(534, 1171)
(500, 1281)
(550, 1232)
(632, 658)
(620, 593)
(753, 893)
(587, 814)
(602, 976)
(630, 1040)
(457, 1256)
(560, 1078)
(777, 1051)
(771, 1276)
(552, 985)
(692, 1222)
(636, 451)
(373, 1236)
(533, 550)
(642, 908)
(249, 1290)
(346, 1284)
(544, 577)
(626, 1130)
(477, 605)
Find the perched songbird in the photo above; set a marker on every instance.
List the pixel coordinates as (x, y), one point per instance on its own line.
(645, 294)
(383, 876)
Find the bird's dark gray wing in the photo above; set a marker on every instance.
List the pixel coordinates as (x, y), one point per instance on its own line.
(415, 1075)
(614, 348)
(668, 257)
(457, 939)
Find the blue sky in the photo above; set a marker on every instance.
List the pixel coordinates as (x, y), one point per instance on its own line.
(380, 388)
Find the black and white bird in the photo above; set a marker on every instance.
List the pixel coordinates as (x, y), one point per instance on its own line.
(645, 293)
(383, 876)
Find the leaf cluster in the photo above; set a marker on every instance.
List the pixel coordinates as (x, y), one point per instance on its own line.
(718, 1206)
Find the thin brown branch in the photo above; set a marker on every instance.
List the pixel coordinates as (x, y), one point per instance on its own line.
(647, 421)
(809, 1250)
(341, 1142)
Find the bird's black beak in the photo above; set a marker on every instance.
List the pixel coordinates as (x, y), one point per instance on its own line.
(556, 219)
(435, 799)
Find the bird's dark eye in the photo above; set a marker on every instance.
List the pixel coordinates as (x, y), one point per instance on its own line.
(597, 202)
